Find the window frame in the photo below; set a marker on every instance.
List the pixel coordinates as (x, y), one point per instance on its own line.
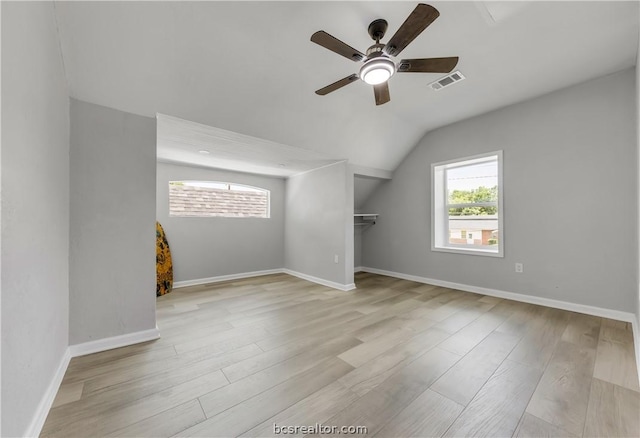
(229, 185)
(440, 206)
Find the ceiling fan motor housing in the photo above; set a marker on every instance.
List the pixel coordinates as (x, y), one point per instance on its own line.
(377, 29)
(375, 50)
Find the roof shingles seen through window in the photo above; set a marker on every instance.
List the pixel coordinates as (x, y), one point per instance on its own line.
(190, 201)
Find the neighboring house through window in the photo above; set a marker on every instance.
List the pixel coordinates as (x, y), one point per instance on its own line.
(467, 205)
(217, 199)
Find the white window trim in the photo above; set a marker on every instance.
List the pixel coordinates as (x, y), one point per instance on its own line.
(439, 215)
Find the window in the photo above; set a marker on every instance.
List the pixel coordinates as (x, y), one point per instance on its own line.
(217, 199)
(467, 205)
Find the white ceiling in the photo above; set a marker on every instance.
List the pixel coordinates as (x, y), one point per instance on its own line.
(249, 67)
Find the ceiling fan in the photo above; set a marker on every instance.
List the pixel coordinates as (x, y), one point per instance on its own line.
(378, 64)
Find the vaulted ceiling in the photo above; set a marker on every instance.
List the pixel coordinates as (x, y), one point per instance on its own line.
(249, 67)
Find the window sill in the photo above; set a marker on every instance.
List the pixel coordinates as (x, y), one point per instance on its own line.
(468, 251)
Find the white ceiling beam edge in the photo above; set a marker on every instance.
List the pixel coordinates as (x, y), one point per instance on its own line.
(371, 172)
(185, 142)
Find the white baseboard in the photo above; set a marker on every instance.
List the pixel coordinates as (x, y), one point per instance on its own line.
(322, 281)
(548, 302)
(76, 350)
(113, 342)
(357, 269)
(220, 278)
(35, 427)
(328, 283)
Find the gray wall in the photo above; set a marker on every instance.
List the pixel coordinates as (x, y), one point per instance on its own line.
(357, 247)
(319, 223)
(637, 308)
(112, 232)
(35, 210)
(570, 198)
(210, 247)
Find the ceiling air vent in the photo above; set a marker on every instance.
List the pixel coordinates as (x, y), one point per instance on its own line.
(449, 79)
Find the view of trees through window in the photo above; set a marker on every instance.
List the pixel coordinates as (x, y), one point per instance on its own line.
(472, 201)
(471, 207)
(473, 196)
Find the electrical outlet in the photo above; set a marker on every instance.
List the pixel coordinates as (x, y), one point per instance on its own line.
(335, 258)
(519, 268)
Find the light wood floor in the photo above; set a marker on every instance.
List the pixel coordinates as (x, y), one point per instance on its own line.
(400, 358)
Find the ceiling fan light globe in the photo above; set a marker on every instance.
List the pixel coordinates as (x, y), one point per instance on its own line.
(377, 70)
(377, 76)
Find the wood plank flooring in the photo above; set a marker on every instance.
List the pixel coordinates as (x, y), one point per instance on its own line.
(397, 357)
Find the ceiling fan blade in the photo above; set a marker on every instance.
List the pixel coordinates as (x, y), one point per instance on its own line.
(381, 91)
(335, 45)
(338, 84)
(421, 17)
(428, 65)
